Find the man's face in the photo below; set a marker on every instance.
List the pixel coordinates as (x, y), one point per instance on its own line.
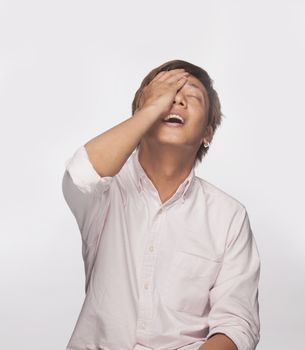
(191, 103)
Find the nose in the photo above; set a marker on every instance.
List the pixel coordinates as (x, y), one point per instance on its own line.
(179, 98)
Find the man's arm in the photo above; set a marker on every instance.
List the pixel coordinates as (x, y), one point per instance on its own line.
(218, 341)
(234, 296)
(109, 151)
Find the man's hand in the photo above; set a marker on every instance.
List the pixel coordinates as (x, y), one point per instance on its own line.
(159, 94)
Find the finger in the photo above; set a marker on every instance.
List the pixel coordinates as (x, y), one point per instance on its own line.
(170, 73)
(159, 75)
(181, 82)
(174, 78)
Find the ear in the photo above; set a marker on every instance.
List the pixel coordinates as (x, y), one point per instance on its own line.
(208, 135)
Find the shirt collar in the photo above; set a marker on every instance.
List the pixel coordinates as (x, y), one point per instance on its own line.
(142, 179)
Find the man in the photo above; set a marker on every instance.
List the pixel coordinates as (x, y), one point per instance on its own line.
(170, 259)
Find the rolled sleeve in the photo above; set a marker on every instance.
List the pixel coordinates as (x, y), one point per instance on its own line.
(83, 188)
(84, 175)
(234, 296)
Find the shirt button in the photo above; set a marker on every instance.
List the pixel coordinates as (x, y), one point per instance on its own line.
(151, 248)
(146, 285)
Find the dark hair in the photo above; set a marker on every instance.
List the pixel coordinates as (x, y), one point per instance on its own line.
(214, 110)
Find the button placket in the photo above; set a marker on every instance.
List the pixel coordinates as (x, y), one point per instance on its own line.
(146, 292)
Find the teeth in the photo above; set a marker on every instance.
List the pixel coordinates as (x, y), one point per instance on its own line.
(173, 116)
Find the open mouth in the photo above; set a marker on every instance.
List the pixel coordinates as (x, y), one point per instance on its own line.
(173, 119)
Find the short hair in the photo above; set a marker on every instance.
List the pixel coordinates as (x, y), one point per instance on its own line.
(214, 110)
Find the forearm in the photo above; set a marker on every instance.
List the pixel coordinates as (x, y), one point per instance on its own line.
(218, 341)
(109, 151)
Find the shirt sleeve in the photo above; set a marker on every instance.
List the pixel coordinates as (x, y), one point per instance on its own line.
(88, 196)
(234, 296)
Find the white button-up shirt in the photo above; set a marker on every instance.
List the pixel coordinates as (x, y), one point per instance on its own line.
(161, 276)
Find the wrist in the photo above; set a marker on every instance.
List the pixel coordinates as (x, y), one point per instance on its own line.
(151, 112)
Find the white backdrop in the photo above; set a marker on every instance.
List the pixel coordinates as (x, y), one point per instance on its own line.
(69, 71)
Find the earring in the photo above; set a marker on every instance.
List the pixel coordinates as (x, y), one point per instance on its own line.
(206, 145)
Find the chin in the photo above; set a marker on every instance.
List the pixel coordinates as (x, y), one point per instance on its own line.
(167, 142)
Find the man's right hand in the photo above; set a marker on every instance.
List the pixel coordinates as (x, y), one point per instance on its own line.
(109, 151)
(159, 94)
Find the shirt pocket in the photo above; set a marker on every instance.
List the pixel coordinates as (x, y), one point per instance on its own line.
(188, 281)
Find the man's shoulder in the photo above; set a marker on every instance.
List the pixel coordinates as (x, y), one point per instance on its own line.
(218, 195)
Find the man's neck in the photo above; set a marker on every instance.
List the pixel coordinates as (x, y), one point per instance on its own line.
(166, 168)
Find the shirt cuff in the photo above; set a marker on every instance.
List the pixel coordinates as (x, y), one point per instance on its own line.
(240, 339)
(83, 174)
